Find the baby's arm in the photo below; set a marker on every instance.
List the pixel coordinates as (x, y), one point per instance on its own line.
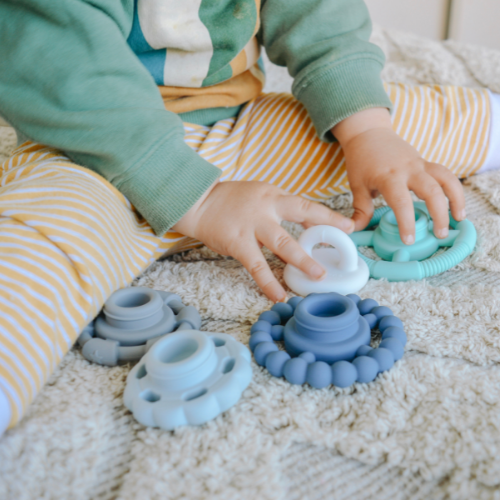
(325, 46)
(68, 79)
(379, 161)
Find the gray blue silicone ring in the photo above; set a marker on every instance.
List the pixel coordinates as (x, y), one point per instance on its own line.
(131, 321)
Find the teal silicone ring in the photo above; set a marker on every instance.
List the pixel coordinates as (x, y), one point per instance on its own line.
(461, 242)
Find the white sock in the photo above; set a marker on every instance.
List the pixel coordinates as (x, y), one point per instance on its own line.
(5, 412)
(493, 159)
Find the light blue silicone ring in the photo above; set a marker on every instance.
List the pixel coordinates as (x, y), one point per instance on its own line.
(187, 378)
(414, 262)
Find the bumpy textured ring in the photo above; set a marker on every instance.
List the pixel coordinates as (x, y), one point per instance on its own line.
(327, 340)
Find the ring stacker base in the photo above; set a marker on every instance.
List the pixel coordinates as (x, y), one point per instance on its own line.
(414, 262)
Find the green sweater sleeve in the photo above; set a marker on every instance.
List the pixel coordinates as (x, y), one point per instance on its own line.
(69, 80)
(325, 46)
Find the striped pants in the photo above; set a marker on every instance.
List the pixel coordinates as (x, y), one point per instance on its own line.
(68, 238)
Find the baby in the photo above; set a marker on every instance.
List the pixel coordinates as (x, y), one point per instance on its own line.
(143, 129)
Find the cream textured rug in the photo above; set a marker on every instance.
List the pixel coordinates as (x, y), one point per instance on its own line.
(427, 429)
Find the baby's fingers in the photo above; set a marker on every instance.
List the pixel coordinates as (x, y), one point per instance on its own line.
(452, 188)
(398, 197)
(310, 213)
(284, 246)
(363, 206)
(429, 190)
(255, 263)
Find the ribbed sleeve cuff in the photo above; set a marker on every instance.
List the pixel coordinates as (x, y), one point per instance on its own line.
(167, 183)
(334, 93)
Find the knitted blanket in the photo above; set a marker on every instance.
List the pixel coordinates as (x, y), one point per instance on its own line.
(427, 429)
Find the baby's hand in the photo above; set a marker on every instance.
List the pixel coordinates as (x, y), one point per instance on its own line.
(238, 218)
(379, 161)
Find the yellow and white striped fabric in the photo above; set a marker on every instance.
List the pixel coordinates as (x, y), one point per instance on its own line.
(447, 125)
(68, 238)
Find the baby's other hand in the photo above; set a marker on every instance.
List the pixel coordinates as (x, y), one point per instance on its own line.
(379, 161)
(238, 218)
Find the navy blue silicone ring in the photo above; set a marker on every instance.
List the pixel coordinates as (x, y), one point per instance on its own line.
(327, 340)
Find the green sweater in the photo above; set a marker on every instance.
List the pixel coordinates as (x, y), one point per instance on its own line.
(88, 76)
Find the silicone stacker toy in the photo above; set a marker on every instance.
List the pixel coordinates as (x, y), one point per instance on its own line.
(346, 271)
(187, 378)
(131, 321)
(401, 262)
(327, 340)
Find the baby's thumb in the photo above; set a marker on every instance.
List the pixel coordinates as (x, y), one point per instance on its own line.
(363, 207)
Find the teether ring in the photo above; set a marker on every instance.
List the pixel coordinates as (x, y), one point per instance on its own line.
(346, 272)
(401, 262)
(327, 340)
(187, 378)
(131, 321)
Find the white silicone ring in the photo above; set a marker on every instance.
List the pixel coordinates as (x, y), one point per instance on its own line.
(346, 271)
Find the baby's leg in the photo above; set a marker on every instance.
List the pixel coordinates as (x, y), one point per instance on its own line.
(273, 139)
(449, 125)
(68, 239)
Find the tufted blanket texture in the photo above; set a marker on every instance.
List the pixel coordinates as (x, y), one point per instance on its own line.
(427, 429)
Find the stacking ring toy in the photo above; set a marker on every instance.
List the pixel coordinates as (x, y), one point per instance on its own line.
(401, 262)
(184, 378)
(131, 321)
(346, 272)
(187, 378)
(327, 340)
